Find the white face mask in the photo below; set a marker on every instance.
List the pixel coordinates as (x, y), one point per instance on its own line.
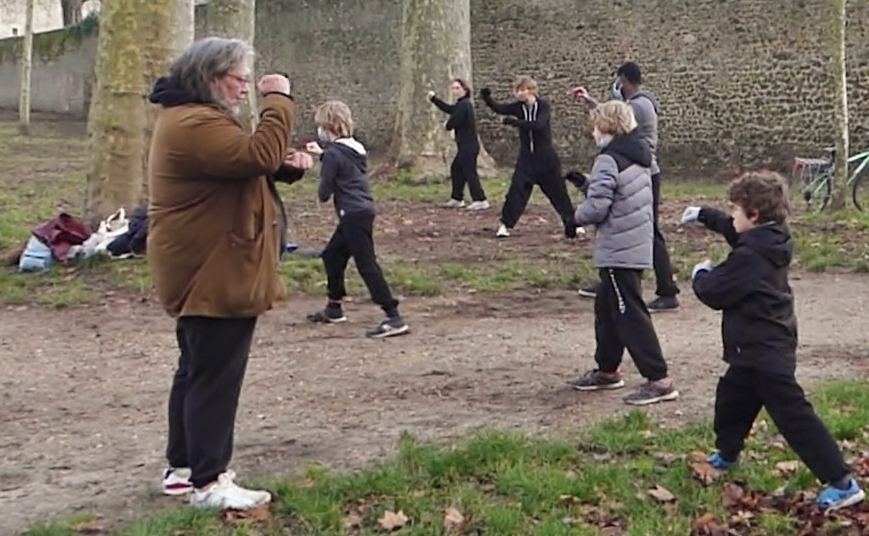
(322, 134)
(617, 91)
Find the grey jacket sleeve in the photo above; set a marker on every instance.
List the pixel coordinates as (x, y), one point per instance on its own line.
(602, 186)
(328, 173)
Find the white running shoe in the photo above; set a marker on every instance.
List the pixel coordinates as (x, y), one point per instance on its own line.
(502, 232)
(454, 203)
(226, 494)
(479, 205)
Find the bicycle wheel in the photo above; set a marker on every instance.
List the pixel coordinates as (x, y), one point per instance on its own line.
(817, 191)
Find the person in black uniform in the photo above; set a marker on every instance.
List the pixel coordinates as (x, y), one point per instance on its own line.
(463, 170)
(538, 163)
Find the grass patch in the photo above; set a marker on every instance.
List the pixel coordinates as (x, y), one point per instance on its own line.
(508, 484)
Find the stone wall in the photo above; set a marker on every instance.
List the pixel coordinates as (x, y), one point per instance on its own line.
(740, 84)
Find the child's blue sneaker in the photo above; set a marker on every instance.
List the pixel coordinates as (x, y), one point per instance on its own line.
(832, 498)
(718, 462)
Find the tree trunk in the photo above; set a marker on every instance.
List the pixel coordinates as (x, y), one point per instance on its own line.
(235, 19)
(435, 48)
(117, 113)
(26, 70)
(71, 11)
(840, 90)
(166, 30)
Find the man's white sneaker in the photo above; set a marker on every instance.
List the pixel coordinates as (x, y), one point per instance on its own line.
(502, 232)
(479, 205)
(176, 481)
(454, 203)
(226, 494)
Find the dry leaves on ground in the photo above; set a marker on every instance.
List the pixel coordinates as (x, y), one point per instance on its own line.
(258, 514)
(90, 527)
(454, 521)
(704, 472)
(661, 494)
(746, 506)
(392, 520)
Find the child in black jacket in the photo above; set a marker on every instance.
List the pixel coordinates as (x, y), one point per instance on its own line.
(463, 169)
(538, 163)
(759, 331)
(344, 178)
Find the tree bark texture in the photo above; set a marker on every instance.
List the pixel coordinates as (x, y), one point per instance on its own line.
(117, 114)
(166, 30)
(235, 19)
(840, 91)
(435, 48)
(26, 70)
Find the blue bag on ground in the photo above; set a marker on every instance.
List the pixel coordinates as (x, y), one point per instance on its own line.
(36, 257)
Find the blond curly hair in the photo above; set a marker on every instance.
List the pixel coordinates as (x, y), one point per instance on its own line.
(613, 117)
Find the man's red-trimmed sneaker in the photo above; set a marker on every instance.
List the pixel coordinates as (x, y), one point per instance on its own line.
(176, 481)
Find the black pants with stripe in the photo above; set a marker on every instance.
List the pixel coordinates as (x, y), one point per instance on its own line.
(622, 321)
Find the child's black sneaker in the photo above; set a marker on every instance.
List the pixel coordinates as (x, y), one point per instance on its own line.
(330, 315)
(390, 327)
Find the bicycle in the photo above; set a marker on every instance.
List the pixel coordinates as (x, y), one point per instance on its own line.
(813, 179)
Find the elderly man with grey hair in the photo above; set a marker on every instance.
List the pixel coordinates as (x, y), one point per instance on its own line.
(217, 228)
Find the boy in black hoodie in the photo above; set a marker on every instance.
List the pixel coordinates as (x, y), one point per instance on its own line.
(344, 178)
(538, 163)
(759, 331)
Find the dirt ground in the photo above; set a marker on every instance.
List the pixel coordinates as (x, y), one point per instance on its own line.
(84, 390)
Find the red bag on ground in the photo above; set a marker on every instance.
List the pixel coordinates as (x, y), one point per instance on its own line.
(61, 233)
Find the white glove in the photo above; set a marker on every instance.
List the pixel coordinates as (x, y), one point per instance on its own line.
(705, 266)
(690, 215)
(429, 95)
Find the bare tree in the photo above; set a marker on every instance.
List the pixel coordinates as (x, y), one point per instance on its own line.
(435, 47)
(840, 90)
(166, 29)
(234, 19)
(117, 113)
(71, 11)
(26, 70)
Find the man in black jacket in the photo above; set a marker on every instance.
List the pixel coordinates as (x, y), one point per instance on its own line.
(538, 163)
(759, 332)
(463, 169)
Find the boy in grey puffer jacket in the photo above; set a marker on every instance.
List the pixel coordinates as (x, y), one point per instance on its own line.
(619, 203)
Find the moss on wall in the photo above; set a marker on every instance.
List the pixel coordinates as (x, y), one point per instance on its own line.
(49, 46)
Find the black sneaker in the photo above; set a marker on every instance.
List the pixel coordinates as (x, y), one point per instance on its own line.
(651, 393)
(590, 291)
(390, 327)
(663, 304)
(595, 380)
(329, 315)
(570, 229)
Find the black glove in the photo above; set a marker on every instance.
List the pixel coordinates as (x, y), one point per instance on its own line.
(580, 180)
(511, 121)
(486, 93)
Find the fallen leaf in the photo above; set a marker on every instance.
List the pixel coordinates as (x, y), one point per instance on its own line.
(352, 521)
(256, 514)
(568, 499)
(787, 468)
(661, 494)
(707, 525)
(697, 456)
(392, 521)
(732, 494)
(704, 472)
(90, 527)
(454, 521)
